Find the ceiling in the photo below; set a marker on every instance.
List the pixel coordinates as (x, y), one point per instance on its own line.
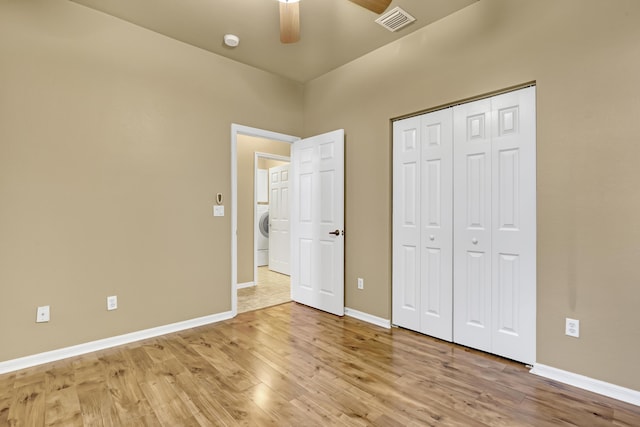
(333, 32)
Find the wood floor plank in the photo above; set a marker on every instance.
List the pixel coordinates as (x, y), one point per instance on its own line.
(95, 405)
(167, 405)
(128, 399)
(209, 410)
(6, 394)
(27, 407)
(277, 407)
(63, 407)
(290, 365)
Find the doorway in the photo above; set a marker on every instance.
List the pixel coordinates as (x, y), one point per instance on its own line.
(243, 223)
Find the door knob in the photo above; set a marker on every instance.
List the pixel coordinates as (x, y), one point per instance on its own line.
(474, 241)
(335, 233)
(432, 237)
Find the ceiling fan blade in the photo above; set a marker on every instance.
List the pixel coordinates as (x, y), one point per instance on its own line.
(289, 22)
(376, 6)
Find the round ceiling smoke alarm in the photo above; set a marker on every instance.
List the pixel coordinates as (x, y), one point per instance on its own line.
(231, 40)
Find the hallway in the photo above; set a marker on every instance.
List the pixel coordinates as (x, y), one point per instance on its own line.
(272, 289)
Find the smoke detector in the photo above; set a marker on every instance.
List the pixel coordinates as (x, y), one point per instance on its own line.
(395, 19)
(231, 40)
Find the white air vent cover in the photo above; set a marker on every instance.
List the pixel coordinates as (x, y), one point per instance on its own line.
(395, 19)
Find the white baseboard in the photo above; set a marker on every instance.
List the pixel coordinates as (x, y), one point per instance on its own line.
(606, 389)
(369, 318)
(245, 285)
(77, 350)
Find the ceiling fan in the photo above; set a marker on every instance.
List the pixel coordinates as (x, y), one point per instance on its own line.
(290, 16)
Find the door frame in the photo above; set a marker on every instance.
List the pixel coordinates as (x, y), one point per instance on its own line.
(237, 129)
(260, 155)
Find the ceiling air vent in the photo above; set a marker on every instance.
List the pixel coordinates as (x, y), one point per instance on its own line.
(395, 19)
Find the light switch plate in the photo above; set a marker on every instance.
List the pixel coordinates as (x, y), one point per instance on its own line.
(218, 210)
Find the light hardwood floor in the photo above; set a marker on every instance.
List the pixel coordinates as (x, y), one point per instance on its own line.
(272, 289)
(292, 365)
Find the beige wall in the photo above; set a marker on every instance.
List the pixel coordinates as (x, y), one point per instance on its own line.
(264, 163)
(113, 144)
(247, 147)
(585, 57)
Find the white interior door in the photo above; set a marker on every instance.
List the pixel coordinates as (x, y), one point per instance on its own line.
(472, 224)
(279, 237)
(436, 237)
(317, 222)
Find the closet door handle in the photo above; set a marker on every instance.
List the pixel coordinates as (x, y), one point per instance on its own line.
(474, 241)
(432, 237)
(335, 233)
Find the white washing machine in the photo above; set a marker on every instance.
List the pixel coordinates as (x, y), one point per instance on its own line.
(262, 249)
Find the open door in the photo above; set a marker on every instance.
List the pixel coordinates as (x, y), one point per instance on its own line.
(317, 222)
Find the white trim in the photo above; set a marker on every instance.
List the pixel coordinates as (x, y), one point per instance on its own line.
(245, 285)
(366, 317)
(260, 133)
(606, 389)
(77, 350)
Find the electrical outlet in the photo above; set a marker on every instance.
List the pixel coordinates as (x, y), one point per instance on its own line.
(572, 327)
(360, 283)
(43, 314)
(112, 302)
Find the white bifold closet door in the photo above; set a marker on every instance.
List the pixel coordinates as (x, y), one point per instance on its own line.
(422, 228)
(464, 213)
(495, 225)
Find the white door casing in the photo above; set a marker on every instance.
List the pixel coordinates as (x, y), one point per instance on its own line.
(317, 222)
(279, 236)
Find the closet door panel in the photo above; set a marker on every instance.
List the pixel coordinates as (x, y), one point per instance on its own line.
(472, 225)
(514, 219)
(406, 224)
(437, 224)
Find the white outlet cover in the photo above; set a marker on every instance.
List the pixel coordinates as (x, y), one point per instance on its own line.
(572, 328)
(112, 302)
(43, 314)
